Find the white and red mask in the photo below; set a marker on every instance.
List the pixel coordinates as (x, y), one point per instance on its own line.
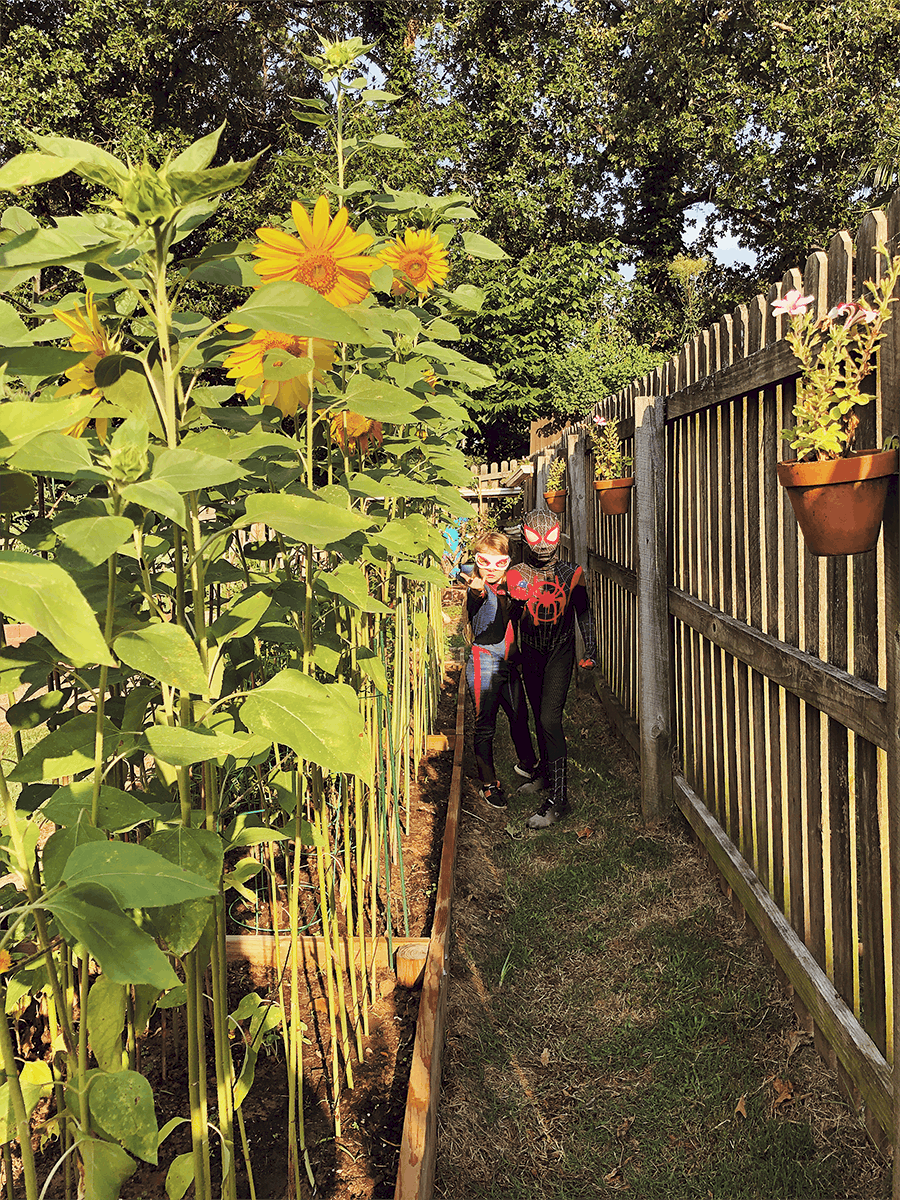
(541, 533)
(491, 566)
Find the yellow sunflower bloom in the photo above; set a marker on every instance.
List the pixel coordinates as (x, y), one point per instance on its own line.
(327, 256)
(419, 257)
(350, 429)
(87, 334)
(246, 367)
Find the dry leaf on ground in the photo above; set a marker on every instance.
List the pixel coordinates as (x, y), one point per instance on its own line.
(741, 1107)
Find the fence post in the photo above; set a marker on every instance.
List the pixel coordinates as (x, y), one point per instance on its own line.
(654, 669)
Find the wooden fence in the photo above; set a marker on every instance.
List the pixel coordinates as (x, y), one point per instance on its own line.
(757, 682)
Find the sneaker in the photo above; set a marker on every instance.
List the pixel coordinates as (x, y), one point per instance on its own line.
(548, 814)
(493, 794)
(537, 783)
(528, 773)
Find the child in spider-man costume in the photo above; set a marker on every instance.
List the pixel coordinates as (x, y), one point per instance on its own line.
(552, 594)
(491, 675)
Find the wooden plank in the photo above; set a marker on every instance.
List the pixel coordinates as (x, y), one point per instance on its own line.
(860, 706)
(622, 577)
(840, 288)
(259, 949)
(889, 382)
(622, 720)
(855, 1050)
(653, 615)
(761, 368)
(418, 1144)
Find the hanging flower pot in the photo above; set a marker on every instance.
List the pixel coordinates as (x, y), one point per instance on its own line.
(556, 501)
(615, 495)
(839, 503)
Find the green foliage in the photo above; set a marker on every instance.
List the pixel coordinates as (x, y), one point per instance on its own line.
(556, 475)
(609, 461)
(836, 354)
(196, 657)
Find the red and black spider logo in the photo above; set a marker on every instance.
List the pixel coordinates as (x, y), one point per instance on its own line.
(546, 601)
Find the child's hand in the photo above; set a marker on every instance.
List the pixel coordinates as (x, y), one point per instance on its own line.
(476, 583)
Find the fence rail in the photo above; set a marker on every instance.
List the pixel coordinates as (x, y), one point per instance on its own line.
(759, 683)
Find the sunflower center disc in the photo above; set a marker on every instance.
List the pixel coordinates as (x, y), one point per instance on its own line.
(318, 271)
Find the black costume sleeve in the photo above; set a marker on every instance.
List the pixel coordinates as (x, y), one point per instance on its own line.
(585, 620)
(474, 601)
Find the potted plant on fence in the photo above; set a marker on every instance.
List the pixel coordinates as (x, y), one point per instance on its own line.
(837, 492)
(611, 467)
(555, 495)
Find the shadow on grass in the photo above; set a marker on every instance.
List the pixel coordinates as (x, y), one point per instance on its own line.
(613, 1027)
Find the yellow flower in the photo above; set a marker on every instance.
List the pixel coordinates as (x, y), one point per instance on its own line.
(87, 334)
(327, 256)
(247, 368)
(349, 429)
(420, 257)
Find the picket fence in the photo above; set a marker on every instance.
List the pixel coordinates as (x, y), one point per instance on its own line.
(759, 683)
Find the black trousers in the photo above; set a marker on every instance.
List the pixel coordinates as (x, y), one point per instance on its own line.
(494, 684)
(546, 677)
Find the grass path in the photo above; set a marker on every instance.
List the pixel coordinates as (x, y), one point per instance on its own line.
(613, 1029)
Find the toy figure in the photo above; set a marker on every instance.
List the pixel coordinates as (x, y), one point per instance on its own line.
(491, 674)
(451, 559)
(552, 594)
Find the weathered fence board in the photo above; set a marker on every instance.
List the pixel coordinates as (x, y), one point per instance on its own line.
(782, 668)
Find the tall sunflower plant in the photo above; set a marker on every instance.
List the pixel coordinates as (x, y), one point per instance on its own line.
(224, 532)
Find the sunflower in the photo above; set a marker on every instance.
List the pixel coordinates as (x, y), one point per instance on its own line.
(327, 256)
(349, 429)
(418, 256)
(88, 335)
(247, 368)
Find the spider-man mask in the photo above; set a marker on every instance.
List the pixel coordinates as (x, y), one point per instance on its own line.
(541, 532)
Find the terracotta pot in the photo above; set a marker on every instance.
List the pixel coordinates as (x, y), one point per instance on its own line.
(839, 504)
(556, 501)
(615, 495)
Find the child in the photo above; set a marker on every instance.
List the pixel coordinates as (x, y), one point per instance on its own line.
(553, 594)
(492, 677)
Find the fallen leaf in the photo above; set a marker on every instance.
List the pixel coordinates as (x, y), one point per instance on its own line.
(741, 1109)
(784, 1091)
(545, 1058)
(794, 1039)
(622, 1131)
(584, 834)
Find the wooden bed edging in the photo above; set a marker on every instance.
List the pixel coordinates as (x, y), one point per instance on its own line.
(418, 1145)
(855, 1050)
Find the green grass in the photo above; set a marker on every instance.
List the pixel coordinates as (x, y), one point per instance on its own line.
(634, 1015)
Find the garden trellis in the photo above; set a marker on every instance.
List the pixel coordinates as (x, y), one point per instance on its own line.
(759, 683)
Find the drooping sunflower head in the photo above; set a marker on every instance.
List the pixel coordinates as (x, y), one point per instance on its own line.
(248, 365)
(327, 256)
(87, 335)
(350, 429)
(419, 258)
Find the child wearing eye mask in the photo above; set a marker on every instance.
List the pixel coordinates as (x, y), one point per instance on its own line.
(491, 674)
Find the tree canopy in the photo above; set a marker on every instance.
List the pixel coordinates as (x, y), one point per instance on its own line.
(588, 133)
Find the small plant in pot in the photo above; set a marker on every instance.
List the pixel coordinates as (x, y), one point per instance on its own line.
(612, 478)
(837, 492)
(555, 495)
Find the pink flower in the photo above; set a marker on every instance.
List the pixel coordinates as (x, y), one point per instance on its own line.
(794, 304)
(855, 312)
(600, 421)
